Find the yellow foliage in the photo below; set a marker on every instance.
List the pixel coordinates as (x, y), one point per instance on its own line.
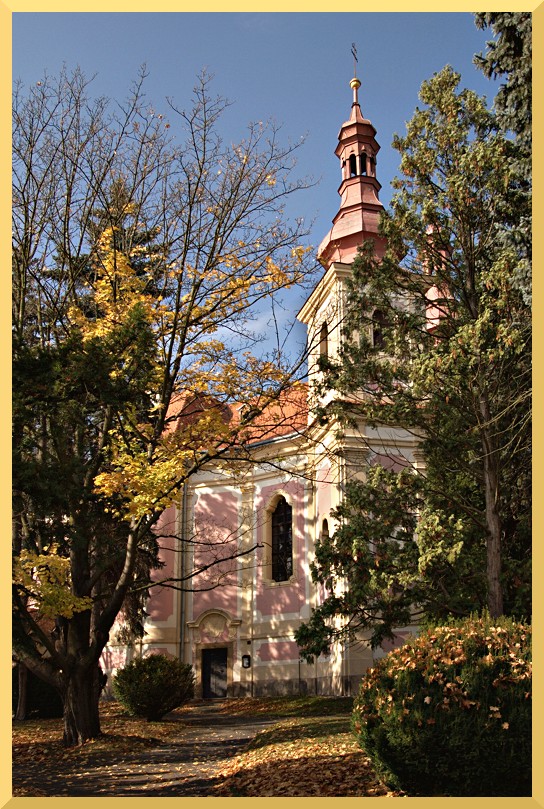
(140, 478)
(46, 578)
(299, 252)
(117, 292)
(145, 484)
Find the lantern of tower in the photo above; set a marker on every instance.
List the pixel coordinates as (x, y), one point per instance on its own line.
(360, 208)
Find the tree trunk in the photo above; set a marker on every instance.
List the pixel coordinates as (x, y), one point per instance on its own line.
(81, 697)
(22, 677)
(495, 601)
(492, 515)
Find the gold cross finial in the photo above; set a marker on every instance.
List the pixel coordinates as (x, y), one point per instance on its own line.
(355, 60)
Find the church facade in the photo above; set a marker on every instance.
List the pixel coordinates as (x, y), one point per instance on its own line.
(252, 531)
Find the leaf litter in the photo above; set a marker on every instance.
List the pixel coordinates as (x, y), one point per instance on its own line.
(308, 751)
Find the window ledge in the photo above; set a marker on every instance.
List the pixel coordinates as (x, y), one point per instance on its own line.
(272, 583)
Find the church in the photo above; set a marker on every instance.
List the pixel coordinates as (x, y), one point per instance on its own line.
(252, 531)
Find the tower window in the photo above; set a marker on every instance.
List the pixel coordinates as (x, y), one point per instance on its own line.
(352, 165)
(282, 541)
(324, 341)
(363, 163)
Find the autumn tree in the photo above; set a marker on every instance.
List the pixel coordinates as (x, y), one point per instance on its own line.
(137, 264)
(452, 366)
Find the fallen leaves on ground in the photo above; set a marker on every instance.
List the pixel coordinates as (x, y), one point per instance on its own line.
(124, 738)
(120, 733)
(303, 758)
(308, 751)
(288, 706)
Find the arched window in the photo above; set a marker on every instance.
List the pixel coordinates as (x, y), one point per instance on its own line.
(325, 530)
(282, 541)
(352, 165)
(378, 323)
(362, 158)
(324, 341)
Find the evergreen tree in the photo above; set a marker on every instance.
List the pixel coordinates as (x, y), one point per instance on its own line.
(509, 57)
(452, 366)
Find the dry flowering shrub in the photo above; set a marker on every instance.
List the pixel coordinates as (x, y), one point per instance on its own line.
(449, 713)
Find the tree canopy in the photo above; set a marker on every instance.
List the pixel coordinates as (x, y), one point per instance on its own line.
(509, 58)
(141, 245)
(452, 366)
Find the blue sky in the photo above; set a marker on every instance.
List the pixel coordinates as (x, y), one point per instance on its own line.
(292, 67)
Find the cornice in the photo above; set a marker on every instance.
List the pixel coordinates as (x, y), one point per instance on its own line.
(337, 271)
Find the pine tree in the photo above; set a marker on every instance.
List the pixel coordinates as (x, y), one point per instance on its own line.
(509, 57)
(453, 367)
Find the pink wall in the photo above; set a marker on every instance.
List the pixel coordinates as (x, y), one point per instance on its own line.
(113, 657)
(216, 523)
(281, 650)
(161, 603)
(278, 599)
(436, 312)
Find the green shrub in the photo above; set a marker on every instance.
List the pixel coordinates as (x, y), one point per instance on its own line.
(153, 686)
(449, 713)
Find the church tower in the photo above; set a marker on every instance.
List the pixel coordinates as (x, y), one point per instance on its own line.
(356, 221)
(360, 208)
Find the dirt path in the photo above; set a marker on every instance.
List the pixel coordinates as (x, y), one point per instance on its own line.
(184, 765)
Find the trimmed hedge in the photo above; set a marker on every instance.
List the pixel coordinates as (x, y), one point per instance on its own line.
(449, 713)
(153, 686)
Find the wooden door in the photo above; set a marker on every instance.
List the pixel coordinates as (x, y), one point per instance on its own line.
(214, 673)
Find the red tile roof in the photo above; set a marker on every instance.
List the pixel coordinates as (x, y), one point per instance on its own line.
(284, 416)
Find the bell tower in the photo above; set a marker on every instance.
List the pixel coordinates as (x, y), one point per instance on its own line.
(356, 221)
(360, 207)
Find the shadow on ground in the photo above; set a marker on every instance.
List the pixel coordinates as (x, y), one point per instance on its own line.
(185, 764)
